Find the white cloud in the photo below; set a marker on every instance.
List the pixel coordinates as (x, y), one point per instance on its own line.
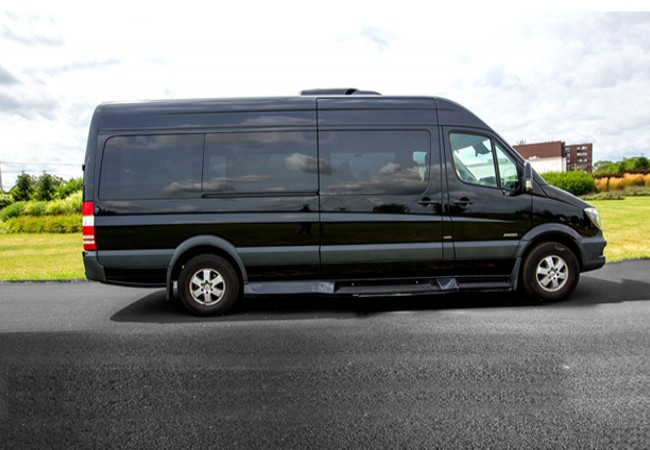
(578, 77)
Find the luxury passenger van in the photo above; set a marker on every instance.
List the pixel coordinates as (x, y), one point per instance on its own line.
(332, 192)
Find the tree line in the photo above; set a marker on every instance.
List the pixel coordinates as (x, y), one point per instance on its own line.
(637, 163)
(44, 187)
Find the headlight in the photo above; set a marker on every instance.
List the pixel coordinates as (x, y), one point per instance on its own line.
(593, 216)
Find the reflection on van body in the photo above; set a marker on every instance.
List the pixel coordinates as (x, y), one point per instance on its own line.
(330, 192)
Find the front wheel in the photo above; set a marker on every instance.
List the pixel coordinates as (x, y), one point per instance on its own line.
(550, 272)
(208, 285)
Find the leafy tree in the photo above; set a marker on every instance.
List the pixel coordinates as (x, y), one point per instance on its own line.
(46, 187)
(619, 167)
(638, 162)
(69, 187)
(5, 200)
(24, 187)
(607, 168)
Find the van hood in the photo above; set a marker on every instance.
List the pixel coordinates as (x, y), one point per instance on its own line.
(563, 196)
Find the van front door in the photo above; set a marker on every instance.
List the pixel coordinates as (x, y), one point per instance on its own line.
(488, 206)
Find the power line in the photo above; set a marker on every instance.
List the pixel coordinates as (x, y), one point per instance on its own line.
(39, 163)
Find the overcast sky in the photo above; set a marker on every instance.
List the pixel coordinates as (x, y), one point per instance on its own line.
(534, 76)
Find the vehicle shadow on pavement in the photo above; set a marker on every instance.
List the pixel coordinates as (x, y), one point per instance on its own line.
(608, 285)
(155, 308)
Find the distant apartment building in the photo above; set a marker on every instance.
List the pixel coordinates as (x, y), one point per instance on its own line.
(556, 156)
(579, 157)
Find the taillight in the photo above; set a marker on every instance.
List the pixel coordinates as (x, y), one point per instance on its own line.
(88, 225)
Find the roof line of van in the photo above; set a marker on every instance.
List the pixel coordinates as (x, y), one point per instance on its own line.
(449, 113)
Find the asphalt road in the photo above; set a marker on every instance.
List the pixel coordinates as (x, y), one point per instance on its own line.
(84, 365)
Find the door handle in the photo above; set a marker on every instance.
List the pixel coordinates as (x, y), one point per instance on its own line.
(426, 201)
(462, 202)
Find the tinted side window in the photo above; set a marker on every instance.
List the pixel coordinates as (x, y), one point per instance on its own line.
(374, 161)
(473, 158)
(260, 162)
(151, 167)
(478, 160)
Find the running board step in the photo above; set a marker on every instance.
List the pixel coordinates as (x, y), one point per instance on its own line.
(379, 287)
(373, 287)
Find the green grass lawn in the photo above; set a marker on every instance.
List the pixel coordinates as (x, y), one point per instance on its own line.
(40, 257)
(626, 224)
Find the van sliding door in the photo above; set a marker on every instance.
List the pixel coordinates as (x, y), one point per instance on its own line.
(381, 202)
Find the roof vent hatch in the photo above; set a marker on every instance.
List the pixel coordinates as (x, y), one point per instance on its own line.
(337, 91)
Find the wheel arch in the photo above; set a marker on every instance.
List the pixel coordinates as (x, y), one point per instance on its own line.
(549, 232)
(201, 245)
(559, 233)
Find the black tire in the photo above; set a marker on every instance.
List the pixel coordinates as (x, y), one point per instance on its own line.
(550, 272)
(208, 285)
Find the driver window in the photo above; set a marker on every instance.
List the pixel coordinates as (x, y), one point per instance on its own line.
(473, 159)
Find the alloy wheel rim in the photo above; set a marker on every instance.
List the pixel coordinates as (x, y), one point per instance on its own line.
(552, 273)
(207, 287)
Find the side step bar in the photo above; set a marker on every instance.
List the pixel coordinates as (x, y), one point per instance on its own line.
(382, 287)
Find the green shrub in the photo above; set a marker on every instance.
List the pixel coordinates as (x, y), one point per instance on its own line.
(576, 182)
(13, 210)
(5, 200)
(636, 191)
(55, 208)
(69, 187)
(74, 202)
(70, 223)
(69, 205)
(616, 195)
(34, 208)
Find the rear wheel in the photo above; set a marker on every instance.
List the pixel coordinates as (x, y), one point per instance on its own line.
(208, 285)
(550, 272)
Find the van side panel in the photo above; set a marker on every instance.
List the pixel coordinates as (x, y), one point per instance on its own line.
(244, 175)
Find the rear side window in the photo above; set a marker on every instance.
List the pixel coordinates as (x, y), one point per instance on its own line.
(374, 161)
(151, 167)
(261, 162)
(178, 166)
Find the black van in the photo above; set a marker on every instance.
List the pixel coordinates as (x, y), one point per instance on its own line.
(330, 192)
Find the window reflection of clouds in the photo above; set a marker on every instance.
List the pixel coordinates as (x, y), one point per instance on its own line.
(169, 166)
(299, 162)
(151, 167)
(407, 182)
(375, 161)
(275, 161)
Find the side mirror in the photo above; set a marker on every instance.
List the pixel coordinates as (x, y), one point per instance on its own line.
(528, 178)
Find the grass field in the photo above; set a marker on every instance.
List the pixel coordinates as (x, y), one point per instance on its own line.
(626, 224)
(40, 257)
